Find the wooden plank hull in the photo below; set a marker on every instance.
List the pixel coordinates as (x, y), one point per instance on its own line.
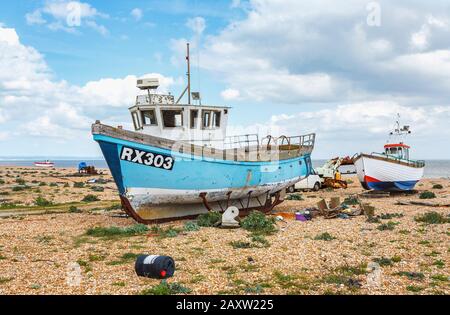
(156, 183)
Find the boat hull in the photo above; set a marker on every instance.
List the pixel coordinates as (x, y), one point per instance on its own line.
(190, 185)
(385, 174)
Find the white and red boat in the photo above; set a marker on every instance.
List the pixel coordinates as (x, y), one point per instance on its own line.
(391, 170)
(47, 163)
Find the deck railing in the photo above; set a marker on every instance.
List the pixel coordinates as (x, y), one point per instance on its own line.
(247, 148)
(241, 141)
(415, 163)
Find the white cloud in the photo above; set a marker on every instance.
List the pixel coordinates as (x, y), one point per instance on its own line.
(2, 116)
(35, 17)
(420, 39)
(196, 24)
(356, 127)
(137, 14)
(321, 51)
(9, 36)
(230, 94)
(119, 92)
(4, 135)
(99, 28)
(61, 9)
(39, 106)
(67, 16)
(235, 4)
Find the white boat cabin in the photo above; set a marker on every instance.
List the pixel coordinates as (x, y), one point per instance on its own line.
(160, 116)
(398, 150)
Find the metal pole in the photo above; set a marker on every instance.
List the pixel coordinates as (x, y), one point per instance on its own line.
(188, 74)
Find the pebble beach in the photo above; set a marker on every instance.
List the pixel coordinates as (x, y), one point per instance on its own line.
(45, 247)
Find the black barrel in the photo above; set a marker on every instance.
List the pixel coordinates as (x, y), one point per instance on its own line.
(154, 266)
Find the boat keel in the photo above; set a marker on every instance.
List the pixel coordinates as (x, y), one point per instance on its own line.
(148, 214)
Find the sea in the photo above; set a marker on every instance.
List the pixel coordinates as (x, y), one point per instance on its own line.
(433, 168)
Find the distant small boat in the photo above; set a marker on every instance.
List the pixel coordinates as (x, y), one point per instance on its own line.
(391, 170)
(47, 163)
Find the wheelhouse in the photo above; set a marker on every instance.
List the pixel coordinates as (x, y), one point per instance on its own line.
(160, 116)
(398, 150)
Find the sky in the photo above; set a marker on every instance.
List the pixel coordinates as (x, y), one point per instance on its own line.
(340, 69)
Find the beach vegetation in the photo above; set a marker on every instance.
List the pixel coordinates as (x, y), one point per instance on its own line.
(389, 216)
(20, 181)
(384, 262)
(427, 195)
(78, 185)
(440, 277)
(191, 226)
(294, 197)
(165, 233)
(414, 288)
(116, 206)
(86, 265)
(20, 188)
(115, 231)
(387, 226)
(119, 284)
(324, 237)
(258, 223)
(209, 219)
(411, 275)
(439, 263)
(373, 219)
(42, 202)
(432, 217)
(90, 198)
(5, 279)
(125, 258)
(8, 205)
(74, 209)
(240, 244)
(96, 257)
(165, 288)
(437, 186)
(260, 240)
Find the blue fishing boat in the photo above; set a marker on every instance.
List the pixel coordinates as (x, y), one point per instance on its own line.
(179, 163)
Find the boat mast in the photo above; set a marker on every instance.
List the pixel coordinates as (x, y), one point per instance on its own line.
(399, 131)
(188, 87)
(188, 74)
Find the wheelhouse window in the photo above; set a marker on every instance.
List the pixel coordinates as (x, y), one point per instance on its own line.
(206, 119)
(136, 123)
(211, 119)
(194, 118)
(149, 117)
(216, 120)
(172, 118)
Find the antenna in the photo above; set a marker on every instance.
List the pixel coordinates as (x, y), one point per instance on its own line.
(400, 131)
